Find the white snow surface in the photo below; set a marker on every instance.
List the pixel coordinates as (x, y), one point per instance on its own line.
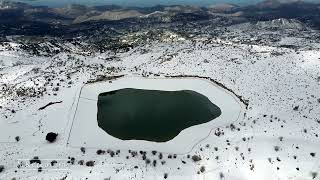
(277, 138)
(86, 132)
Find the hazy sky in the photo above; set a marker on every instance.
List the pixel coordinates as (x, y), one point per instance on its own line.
(138, 2)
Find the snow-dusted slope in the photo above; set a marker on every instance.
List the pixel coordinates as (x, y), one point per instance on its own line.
(282, 24)
(277, 139)
(276, 24)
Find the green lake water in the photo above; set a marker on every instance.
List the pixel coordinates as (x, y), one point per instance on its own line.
(152, 115)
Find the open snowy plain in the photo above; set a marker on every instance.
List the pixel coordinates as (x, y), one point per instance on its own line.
(277, 137)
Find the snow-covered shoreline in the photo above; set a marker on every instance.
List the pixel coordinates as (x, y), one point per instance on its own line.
(85, 130)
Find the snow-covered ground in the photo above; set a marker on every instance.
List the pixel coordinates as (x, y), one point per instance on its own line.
(278, 138)
(86, 132)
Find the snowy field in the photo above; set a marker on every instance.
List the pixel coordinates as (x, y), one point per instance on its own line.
(278, 138)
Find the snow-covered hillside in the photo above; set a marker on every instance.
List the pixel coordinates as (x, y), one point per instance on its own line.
(277, 139)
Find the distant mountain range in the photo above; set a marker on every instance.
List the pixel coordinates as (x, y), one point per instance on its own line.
(21, 18)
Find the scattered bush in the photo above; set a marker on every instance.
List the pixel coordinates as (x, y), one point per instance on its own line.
(232, 127)
(148, 161)
(51, 137)
(154, 163)
(53, 162)
(17, 138)
(221, 175)
(196, 158)
(90, 163)
(251, 167)
(134, 153)
(314, 175)
(72, 160)
(35, 160)
(55, 89)
(81, 162)
(100, 152)
(83, 150)
(1, 168)
(112, 153)
(202, 169)
(165, 175)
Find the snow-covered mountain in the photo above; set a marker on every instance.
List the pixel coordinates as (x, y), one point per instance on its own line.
(279, 132)
(273, 25)
(267, 63)
(282, 24)
(108, 15)
(222, 8)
